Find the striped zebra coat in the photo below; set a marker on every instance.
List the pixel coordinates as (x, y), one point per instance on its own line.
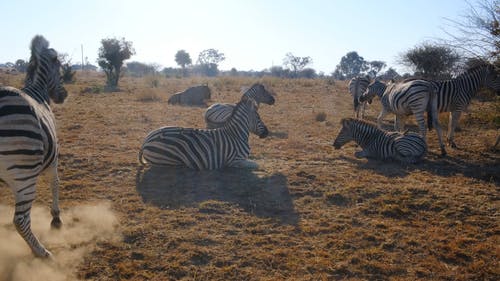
(406, 98)
(217, 114)
(28, 142)
(379, 144)
(454, 96)
(357, 86)
(203, 149)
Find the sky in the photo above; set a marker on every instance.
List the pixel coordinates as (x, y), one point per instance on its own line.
(252, 34)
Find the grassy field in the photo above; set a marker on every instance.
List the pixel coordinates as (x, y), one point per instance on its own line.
(310, 212)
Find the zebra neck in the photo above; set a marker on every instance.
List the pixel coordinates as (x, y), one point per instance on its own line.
(237, 125)
(363, 134)
(37, 89)
(470, 82)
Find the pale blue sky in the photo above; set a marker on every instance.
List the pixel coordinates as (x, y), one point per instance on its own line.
(252, 34)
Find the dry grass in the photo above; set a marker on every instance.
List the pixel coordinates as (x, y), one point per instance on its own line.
(308, 213)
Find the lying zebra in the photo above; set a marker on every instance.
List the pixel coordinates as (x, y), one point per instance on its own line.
(217, 114)
(379, 144)
(204, 149)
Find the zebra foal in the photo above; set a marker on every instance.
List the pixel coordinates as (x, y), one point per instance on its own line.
(203, 149)
(217, 114)
(379, 144)
(28, 142)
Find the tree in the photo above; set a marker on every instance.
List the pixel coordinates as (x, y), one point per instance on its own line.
(431, 61)
(208, 61)
(374, 67)
(140, 69)
(111, 55)
(21, 65)
(182, 58)
(477, 33)
(296, 64)
(389, 74)
(350, 65)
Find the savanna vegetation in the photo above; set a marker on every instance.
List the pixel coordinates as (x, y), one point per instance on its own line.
(308, 213)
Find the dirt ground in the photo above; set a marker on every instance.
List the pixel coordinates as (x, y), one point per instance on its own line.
(309, 212)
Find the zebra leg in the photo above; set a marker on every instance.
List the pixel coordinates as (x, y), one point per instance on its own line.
(454, 117)
(24, 196)
(381, 116)
(244, 164)
(399, 123)
(54, 185)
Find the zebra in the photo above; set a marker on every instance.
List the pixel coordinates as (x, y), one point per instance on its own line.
(28, 142)
(406, 98)
(357, 87)
(217, 114)
(405, 147)
(203, 149)
(454, 95)
(256, 125)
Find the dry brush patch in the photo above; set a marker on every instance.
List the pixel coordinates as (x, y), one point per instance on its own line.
(308, 213)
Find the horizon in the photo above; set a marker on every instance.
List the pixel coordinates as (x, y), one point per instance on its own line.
(254, 35)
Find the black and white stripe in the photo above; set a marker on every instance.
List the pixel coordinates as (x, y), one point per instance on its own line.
(454, 96)
(406, 98)
(203, 149)
(28, 142)
(357, 86)
(379, 144)
(217, 114)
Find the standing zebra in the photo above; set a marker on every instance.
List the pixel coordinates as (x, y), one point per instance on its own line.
(357, 86)
(28, 142)
(406, 98)
(379, 144)
(454, 95)
(217, 114)
(203, 149)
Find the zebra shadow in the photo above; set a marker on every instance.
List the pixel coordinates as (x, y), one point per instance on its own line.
(433, 163)
(263, 196)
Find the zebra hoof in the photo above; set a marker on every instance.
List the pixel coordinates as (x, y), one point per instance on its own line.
(443, 152)
(56, 223)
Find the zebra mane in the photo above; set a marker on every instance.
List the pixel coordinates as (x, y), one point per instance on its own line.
(477, 64)
(346, 121)
(39, 47)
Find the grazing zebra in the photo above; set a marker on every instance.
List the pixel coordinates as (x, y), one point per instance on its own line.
(379, 144)
(28, 143)
(203, 149)
(454, 95)
(217, 114)
(357, 86)
(406, 98)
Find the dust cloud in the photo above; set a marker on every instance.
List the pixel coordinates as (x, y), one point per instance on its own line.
(83, 226)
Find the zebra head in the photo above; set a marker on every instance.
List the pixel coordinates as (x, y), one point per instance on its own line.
(375, 88)
(260, 94)
(345, 135)
(44, 70)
